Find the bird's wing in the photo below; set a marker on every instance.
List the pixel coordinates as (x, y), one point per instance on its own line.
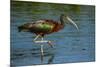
(42, 26)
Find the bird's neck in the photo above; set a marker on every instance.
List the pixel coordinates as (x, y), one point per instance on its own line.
(62, 21)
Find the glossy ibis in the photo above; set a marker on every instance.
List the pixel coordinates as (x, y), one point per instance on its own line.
(46, 26)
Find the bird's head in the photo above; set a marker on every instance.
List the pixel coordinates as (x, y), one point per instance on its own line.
(24, 27)
(65, 18)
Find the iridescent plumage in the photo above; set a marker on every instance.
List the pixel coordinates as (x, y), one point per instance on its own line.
(45, 26)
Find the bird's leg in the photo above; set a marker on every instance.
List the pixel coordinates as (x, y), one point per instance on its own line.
(36, 37)
(42, 40)
(46, 41)
(37, 41)
(42, 53)
(42, 50)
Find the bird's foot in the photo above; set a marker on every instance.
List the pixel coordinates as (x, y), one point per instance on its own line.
(50, 44)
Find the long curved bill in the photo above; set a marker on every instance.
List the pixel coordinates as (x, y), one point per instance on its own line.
(72, 22)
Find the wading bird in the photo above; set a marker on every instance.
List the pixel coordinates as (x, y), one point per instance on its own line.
(44, 27)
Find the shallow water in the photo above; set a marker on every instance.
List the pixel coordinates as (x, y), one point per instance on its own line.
(70, 45)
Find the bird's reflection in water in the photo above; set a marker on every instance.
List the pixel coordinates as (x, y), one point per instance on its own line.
(49, 57)
(46, 54)
(34, 55)
(50, 60)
